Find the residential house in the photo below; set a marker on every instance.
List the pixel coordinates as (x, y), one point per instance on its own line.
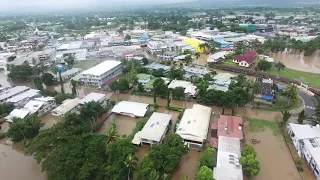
(99, 74)
(221, 82)
(193, 72)
(144, 78)
(194, 125)
(132, 109)
(167, 55)
(22, 99)
(67, 106)
(306, 139)
(228, 165)
(96, 97)
(245, 60)
(156, 66)
(154, 130)
(217, 57)
(190, 89)
(228, 126)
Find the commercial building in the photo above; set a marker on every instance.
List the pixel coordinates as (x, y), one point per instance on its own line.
(154, 130)
(96, 97)
(40, 106)
(67, 106)
(21, 99)
(16, 113)
(306, 139)
(132, 109)
(194, 125)
(167, 55)
(70, 73)
(47, 55)
(99, 74)
(228, 166)
(193, 72)
(195, 43)
(155, 46)
(217, 57)
(9, 93)
(224, 44)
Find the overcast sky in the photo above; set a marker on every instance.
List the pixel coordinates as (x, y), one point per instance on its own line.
(48, 4)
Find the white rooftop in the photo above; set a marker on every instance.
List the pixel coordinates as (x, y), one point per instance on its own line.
(155, 127)
(128, 107)
(179, 83)
(216, 56)
(28, 94)
(96, 97)
(45, 99)
(305, 131)
(70, 72)
(229, 153)
(13, 91)
(33, 106)
(66, 106)
(102, 68)
(17, 113)
(194, 70)
(194, 123)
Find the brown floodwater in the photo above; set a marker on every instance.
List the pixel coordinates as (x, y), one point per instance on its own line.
(299, 61)
(275, 160)
(16, 166)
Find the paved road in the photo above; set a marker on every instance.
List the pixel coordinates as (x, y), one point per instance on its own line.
(309, 104)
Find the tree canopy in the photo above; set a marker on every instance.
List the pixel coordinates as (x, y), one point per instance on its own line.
(21, 72)
(264, 65)
(24, 128)
(59, 98)
(160, 88)
(209, 158)
(178, 93)
(121, 85)
(204, 173)
(47, 79)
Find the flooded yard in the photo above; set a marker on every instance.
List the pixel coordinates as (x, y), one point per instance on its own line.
(16, 166)
(125, 124)
(275, 159)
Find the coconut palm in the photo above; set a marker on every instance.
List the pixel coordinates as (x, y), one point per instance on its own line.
(279, 66)
(286, 115)
(291, 93)
(131, 164)
(113, 132)
(197, 55)
(204, 46)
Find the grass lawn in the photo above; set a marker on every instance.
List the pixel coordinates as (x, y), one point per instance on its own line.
(305, 77)
(282, 104)
(228, 62)
(257, 125)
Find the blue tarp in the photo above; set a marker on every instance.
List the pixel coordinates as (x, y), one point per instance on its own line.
(267, 97)
(280, 88)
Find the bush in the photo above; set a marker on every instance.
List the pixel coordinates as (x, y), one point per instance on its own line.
(2, 135)
(209, 158)
(138, 127)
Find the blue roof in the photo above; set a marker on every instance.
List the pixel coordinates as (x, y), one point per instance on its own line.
(267, 97)
(155, 66)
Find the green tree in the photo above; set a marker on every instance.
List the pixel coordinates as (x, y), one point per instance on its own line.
(113, 132)
(247, 150)
(279, 66)
(140, 87)
(127, 37)
(285, 116)
(38, 83)
(70, 61)
(204, 173)
(168, 98)
(21, 72)
(74, 87)
(133, 77)
(264, 65)
(301, 117)
(188, 59)
(209, 158)
(117, 153)
(207, 77)
(5, 109)
(92, 111)
(61, 83)
(59, 98)
(160, 88)
(291, 93)
(175, 73)
(145, 61)
(250, 165)
(121, 85)
(197, 55)
(158, 73)
(47, 79)
(147, 170)
(24, 128)
(178, 93)
(172, 143)
(131, 164)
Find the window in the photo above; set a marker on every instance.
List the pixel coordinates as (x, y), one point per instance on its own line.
(314, 143)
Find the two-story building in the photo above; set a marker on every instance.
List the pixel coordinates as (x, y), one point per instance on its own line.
(99, 74)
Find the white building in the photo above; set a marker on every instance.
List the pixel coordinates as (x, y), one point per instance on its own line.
(40, 106)
(67, 106)
(21, 99)
(9, 93)
(221, 82)
(17, 113)
(96, 97)
(190, 89)
(70, 73)
(156, 46)
(214, 58)
(154, 130)
(193, 72)
(228, 166)
(306, 139)
(194, 125)
(132, 109)
(99, 74)
(47, 55)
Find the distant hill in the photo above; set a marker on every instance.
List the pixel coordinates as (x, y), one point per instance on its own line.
(258, 2)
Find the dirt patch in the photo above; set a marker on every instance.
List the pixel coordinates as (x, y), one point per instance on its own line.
(274, 156)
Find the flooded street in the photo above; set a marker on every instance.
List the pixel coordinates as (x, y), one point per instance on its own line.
(16, 166)
(299, 61)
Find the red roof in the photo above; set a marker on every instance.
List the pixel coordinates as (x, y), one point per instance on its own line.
(229, 126)
(227, 49)
(128, 54)
(312, 34)
(248, 57)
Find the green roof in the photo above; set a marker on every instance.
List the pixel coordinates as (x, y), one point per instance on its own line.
(144, 76)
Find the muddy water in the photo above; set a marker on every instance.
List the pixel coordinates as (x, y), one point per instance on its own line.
(49, 120)
(299, 61)
(275, 160)
(16, 166)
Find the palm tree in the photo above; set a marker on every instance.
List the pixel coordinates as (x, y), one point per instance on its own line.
(188, 59)
(204, 46)
(255, 88)
(279, 66)
(291, 93)
(197, 55)
(131, 164)
(301, 117)
(113, 132)
(286, 116)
